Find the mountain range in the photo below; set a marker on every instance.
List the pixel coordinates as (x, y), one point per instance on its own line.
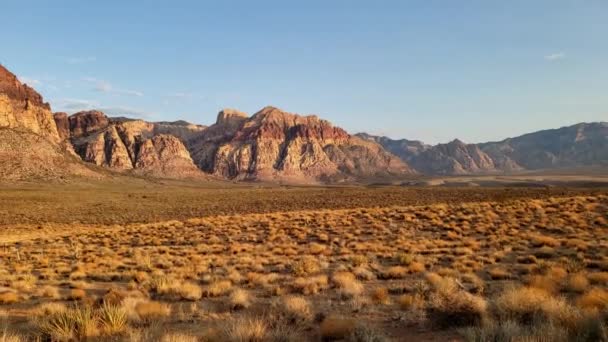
(270, 145)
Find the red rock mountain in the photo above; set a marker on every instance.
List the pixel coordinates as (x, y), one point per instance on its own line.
(276, 145)
(152, 149)
(30, 145)
(22, 108)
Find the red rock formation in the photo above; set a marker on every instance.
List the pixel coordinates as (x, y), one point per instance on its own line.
(276, 145)
(86, 122)
(22, 108)
(136, 145)
(63, 125)
(11, 87)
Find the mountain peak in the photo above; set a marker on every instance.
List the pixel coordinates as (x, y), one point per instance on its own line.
(230, 116)
(15, 90)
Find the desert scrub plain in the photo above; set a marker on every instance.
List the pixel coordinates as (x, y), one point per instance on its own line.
(532, 267)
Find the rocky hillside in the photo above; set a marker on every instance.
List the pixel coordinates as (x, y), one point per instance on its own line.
(580, 145)
(402, 148)
(153, 149)
(31, 148)
(22, 108)
(276, 145)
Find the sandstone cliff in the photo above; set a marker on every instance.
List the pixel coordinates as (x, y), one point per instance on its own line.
(275, 145)
(153, 149)
(31, 147)
(22, 108)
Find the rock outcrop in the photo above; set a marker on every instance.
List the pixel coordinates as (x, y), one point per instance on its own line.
(164, 155)
(63, 125)
(275, 145)
(31, 147)
(152, 149)
(22, 108)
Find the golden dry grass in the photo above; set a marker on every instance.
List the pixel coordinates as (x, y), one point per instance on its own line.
(417, 271)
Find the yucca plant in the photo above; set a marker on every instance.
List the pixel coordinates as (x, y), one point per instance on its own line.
(113, 319)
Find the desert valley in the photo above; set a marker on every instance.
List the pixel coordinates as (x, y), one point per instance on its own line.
(282, 227)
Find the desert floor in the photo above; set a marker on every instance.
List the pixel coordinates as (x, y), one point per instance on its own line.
(169, 262)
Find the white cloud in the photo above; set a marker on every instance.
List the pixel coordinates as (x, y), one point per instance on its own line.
(125, 111)
(106, 87)
(555, 56)
(75, 105)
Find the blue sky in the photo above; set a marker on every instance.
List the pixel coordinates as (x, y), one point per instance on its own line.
(429, 70)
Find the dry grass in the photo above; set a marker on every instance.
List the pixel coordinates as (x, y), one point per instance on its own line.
(324, 274)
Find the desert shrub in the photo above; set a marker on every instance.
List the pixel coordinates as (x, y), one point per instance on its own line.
(73, 323)
(9, 297)
(189, 291)
(404, 259)
(239, 299)
(113, 319)
(359, 260)
(416, 267)
(294, 309)
(577, 282)
(394, 272)
(528, 304)
(150, 311)
(595, 299)
(449, 305)
(348, 285)
(6, 336)
(363, 273)
(380, 295)
(307, 265)
(218, 288)
(310, 285)
(246, 329)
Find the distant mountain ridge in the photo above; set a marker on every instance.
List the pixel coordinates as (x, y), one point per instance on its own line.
(579, 145)
(275, 145)
(271, 145)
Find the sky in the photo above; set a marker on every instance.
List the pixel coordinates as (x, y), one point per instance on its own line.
(477, 70)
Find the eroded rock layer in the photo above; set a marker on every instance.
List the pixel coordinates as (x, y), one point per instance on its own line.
(276, 145)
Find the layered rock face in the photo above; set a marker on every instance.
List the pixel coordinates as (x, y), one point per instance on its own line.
(63, 125)
(22, 108)
(136, 145)
(31, 147)
(275, 145)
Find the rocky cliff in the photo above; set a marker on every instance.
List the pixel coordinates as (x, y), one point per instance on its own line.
(31, 147)
(22, 108)
(153, 149)
(276, 145)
